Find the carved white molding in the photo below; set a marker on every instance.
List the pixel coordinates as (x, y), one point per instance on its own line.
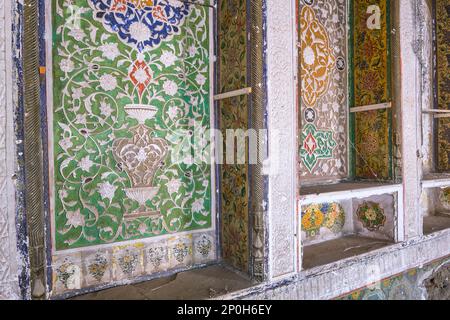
(409, 101)
(8, 264)
(281, 93)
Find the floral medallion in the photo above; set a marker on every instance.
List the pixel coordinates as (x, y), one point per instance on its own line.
(335, 218)
(326, 215)
(141, 24)
(128, 262)
(157, 255)
(371, 215)
(317, 145)
(312, 220)
(97, 268)
(180, 251)
(317, 58)
(203, 246)
(444, 197)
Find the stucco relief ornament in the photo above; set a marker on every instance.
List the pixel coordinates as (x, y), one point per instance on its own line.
(141, 24)
(317, 59)
(140, 157)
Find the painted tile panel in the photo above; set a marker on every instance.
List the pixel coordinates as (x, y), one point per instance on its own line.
(443, 82)
(323, 90)
(131, 91)
(115, 263)
(326, 221)
(232, 43)
(371, 86)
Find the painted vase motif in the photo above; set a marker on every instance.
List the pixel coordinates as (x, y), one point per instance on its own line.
(140, 157)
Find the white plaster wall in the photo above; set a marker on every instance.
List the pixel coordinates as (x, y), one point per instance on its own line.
(8, 261)
(281, 93)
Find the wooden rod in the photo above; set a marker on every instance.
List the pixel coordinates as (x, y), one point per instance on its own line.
(235, 93)
(371, 107)
(442, 115)
(435, 111)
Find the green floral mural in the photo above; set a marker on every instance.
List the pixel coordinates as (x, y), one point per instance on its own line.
(131, 93)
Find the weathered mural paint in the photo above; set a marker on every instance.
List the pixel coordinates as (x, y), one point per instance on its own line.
(371, 86)
(131, 91)
(443, 82)
(415, 284)
(232, 42)
(323, 90)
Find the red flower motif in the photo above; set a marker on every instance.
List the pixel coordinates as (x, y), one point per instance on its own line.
(141, 75)
(310, 144)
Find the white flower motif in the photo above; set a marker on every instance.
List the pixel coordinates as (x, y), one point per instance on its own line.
(75, 219)
(201, 79)
(108, 82)
(194, 101)
(77, 34)
(172, 112)
(110, 51)
(141, 75)
(140, 31)
(173, 186)
(192, 50)
(107, 190)
(205, 183)
(63, 194)
(66, 143)
(66, 65)
(168, 58)
(77, 93)
(80, 119)
(170, 87)
(309, 56)
(142, 155)
(142, 228)
(86, 164)
(188, 160)
(176, 3)
(198, 205)
(105, 109)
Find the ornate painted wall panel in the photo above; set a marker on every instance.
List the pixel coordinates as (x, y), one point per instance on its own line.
(372, 146)
(131, 83)
(233, 75)
(130, 114)
(443, 82)
(323, 90)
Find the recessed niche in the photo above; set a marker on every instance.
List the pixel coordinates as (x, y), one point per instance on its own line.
(436, 209)
(341, 224)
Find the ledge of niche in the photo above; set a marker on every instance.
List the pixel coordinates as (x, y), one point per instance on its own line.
(345, 190)
(210, 282)
(436, 180)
